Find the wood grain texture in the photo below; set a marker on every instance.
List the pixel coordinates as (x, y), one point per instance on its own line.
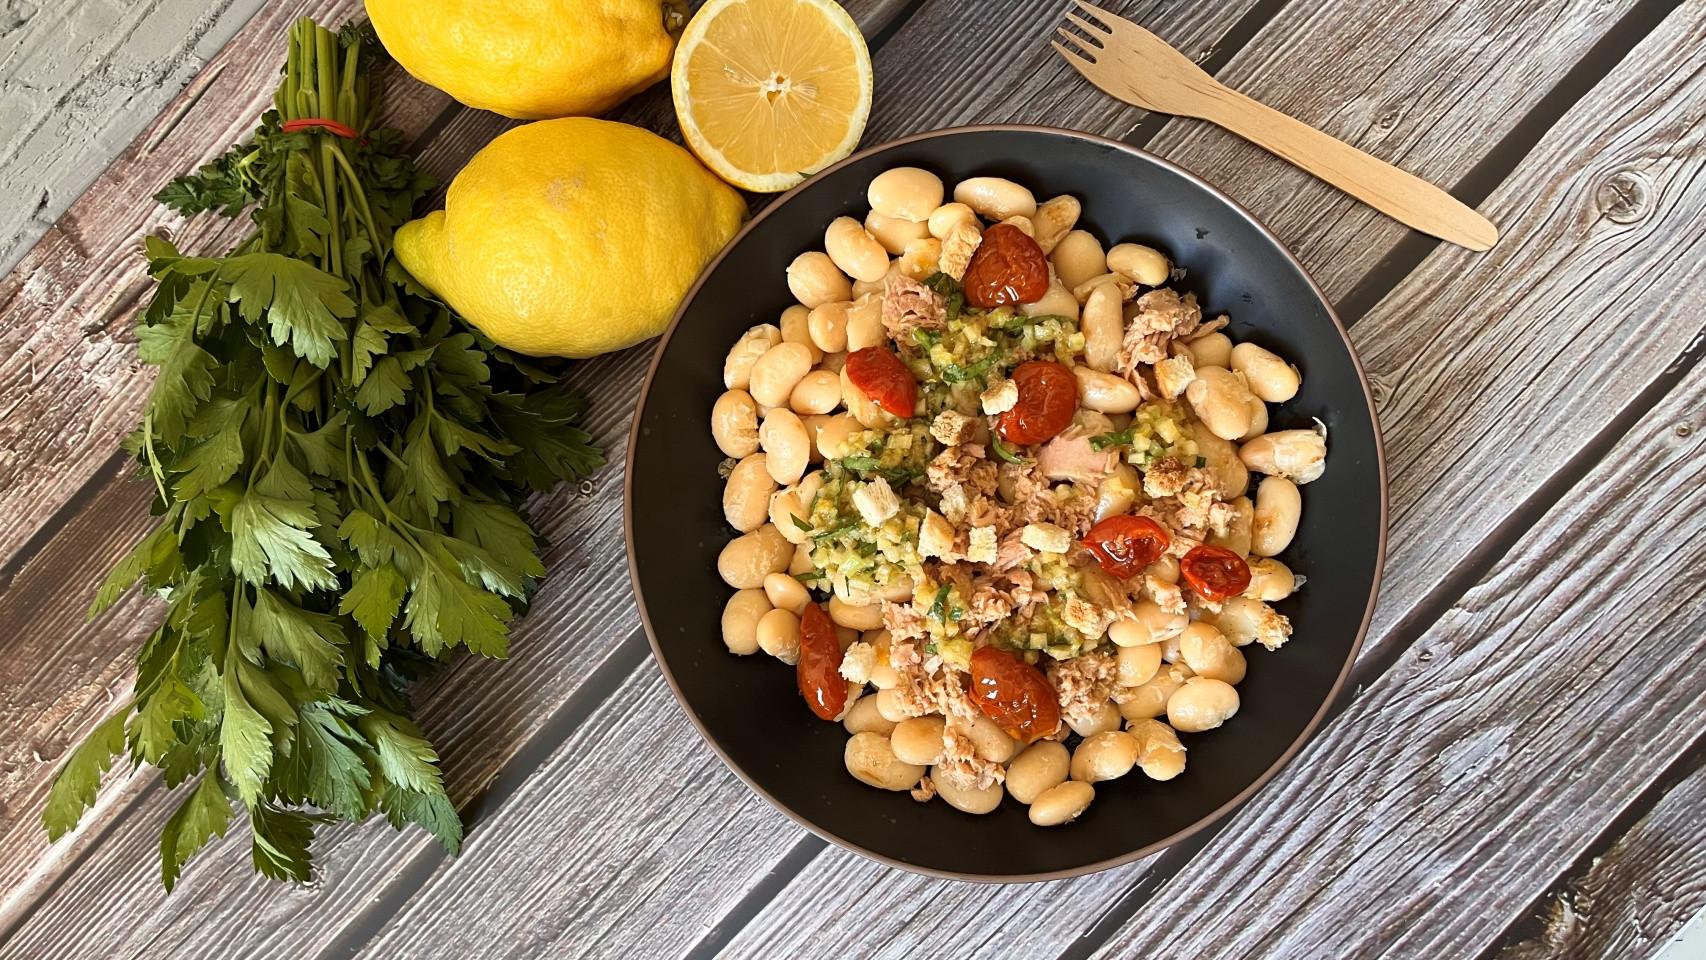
(78, 81)
(1637, 894)
(1449, 450)
(1456, 782)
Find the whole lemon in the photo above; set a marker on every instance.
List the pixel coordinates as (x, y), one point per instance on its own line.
(572, 237)
(532, 59)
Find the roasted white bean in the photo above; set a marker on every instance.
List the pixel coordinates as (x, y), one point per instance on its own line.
(746, 493)
(1104, 392)
(1057, 302)
(974, 800)
(1279, 508)
(1103, 326)
(775, 373)
(740, 620)
(1078, 257)
(1221, 401)
(1108, 755)
(854, 251)
(1201, 704)
(1245, 620)
(893, 233)
(818, 392)
(905, 193)
(747, 559)
(734, 423)
(779, 636)
(996, 198)
(1118, 491)
(1037, 768)
(1160, 755)
(813, 278)
(1209, 654)
(1258, 420)
(1211, 350)
(863, 717)
(1270, 377)
(1055, 219)
(946, 217)
(918, 740)
(787, 449)
(1062, 803)
(1145, 265)
(1270, 580)
(867, 617)
(737, 368)
(1298, 455)
(871, 760)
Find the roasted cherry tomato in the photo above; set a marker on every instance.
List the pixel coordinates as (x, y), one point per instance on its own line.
(819, 669)
(1125, 545)
(1215, 573)
(1014, 694)
(1007, 267)
(1048, 397)
(884, 379)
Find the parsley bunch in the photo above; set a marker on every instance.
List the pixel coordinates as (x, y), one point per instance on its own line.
(340, 466)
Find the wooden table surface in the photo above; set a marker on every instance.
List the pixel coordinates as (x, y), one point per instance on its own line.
(1518, 768)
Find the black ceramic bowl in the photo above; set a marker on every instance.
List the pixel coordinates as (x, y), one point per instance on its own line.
(747, 707)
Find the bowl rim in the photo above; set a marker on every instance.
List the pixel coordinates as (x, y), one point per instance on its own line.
(1209, 818)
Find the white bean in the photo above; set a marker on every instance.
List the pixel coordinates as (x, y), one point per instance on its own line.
(1055, 219)
(1062, 803)
(1116, 280)
(871, 760)
(827, 326)
(918, 740)
(813, 279)
(786, 593)
(787, 449)
(1148, 624)
(1038, 767)
(996, 198)
(1211, 350)
(802, 560)
(990, 741)
(859, 617)
(1258, 420)
(1103, 326)
(775, 373)
(1245, 620)
(785, 505)
(1231, 477)
(779, 636)
(1237, 535)
(1145, 265)
(893, 233)
(1160, 755)
(905, 193)
(1134, 666)
(1270, 580)
(746, 493)
(862, 407)
(863, 717)
(1117, 491)
(1105, 392)
(920, 258)
(1298, 455)
(1279, 508)
(1056, 302)
(734, 423)
(1201, 704)
(737, 368)
(818, 392)
(1108, 755)
(865, 323)
(1221, 401)
(891, 704)
(1165, 569)
(1270, 377)
(1078, 257)
(1209, 654)
(946, 217)
(834, 435)
(854, 251)
(747, 559)
(740, 621)
(973, 800)
(1150, 699)
(1103, 716)
(795, 324)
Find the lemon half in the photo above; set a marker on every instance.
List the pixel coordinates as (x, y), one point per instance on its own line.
(769, 92)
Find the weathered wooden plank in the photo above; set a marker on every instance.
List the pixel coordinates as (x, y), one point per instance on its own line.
(1424, 431)
(78, 81)
(70, 385)
(1597, 284)
(1636, 895)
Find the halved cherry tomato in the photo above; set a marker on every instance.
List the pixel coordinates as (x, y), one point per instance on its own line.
(884, 379)
(1124, 545)
(819, 669)
(1007, 267)
(1048, 397)
(1215, 573)
(1014, 694)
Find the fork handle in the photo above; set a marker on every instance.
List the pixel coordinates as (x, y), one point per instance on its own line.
(1402, 196)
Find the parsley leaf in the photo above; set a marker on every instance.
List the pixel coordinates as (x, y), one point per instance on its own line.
(204, 814)
(74, 790)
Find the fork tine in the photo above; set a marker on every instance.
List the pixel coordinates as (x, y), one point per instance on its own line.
(1095, 31)
(1072, 51)
(1105, 20)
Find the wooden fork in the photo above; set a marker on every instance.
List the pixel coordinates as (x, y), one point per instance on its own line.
(1134, 65)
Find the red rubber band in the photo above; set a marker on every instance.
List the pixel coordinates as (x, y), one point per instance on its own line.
(319, 123)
